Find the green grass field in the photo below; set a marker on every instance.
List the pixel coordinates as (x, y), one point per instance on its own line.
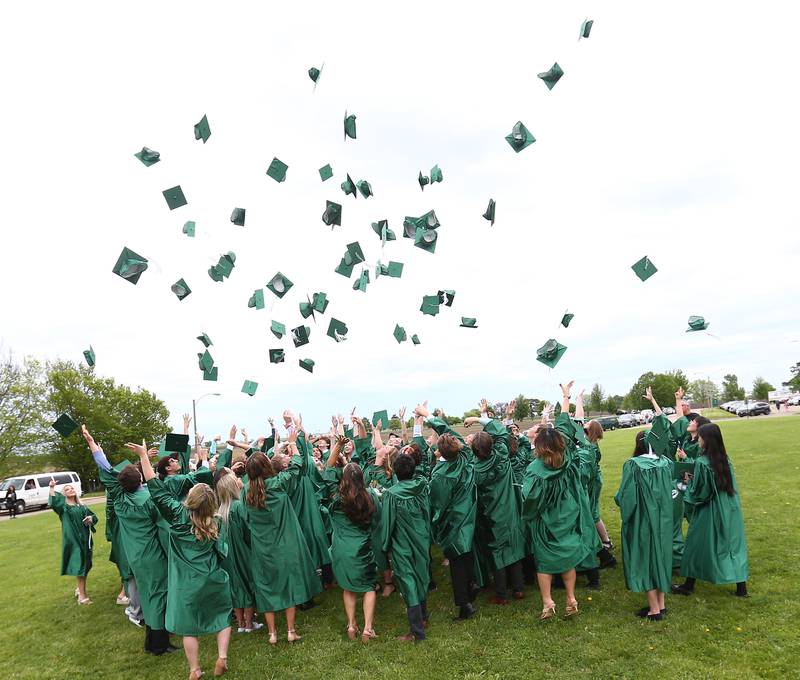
(711, 634)
(716, 413)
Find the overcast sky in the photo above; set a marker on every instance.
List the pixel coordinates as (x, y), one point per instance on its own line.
(672, 134)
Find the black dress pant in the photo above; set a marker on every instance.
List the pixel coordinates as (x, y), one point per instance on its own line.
(461, 575)
(417, 616)
(513, 573)
(155, 641)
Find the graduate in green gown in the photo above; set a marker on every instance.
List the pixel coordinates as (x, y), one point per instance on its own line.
(716, 548)
(406, 536)
(77, 527)
(556, 509)
(355, 516)
(199, 593)
(645, 504)
(283, 573)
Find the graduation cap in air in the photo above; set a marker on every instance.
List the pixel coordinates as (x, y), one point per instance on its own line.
(202, 130)
(325, 172)
(300, 335)
(256, 299)
(278, 329)
(644, 268)
(696, 323)
(174, 197)
(277, 170)
(468, 322)
(307, 364)
(148, 156)
(319, 301)
(224, 267)
(337, 330)
(436, 174)
(349, 187)
(446, 297)
(426, 221)
(209, 373)
(205, 361)
(188, 229)
(176, 443)
(393, 269)
(276, 356)
(205, 339)
(181, 289)
(130, 265)
(306, 308)
(382, 416)
(65, 425)
(349, 125)
(415, 339)
(586, 28)
(352, 256)
(314, 74)
(520, 137)
(249, 387)
(430, 305)
(489, 214)
(89, 355)
(550, 353)
(426, 239)
(381, 228)
(333, 214)
(365, 188)
(237, 216)
(361, 282)
(423, 180)
(399, 333)
(566, 319)
(552, 76)
(279, 285)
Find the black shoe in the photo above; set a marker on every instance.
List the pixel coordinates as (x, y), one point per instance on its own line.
(645, 611)
(170, 649)
(474, 590)
(741, 594)
(607, 560)
(307, 605)
(682, 590)
(432, 586)
(465, 612)
(655, 617)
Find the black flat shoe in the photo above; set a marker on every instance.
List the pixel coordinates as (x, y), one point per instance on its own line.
(682, 590)
(744, 594)
(655, 617)
(465, 612)
(474, 591)
(307, 605)
(645, 611)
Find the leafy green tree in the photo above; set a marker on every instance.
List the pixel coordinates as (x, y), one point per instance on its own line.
(664, 387)
(703, 391)
(596, 398)
(794, 381)
(730, 388)
(452, 420)
(394, 423)
(115, 414)
(522, 408)
(761, 388)
(612, 403)
(472, 413)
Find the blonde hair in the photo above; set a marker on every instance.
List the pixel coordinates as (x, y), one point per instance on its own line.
(202, 504)
(228, 491)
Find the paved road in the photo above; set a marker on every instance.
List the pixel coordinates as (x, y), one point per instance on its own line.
(94, 500)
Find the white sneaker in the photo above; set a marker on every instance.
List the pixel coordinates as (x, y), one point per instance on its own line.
(242, 630)
(135, 621)
(257, 625)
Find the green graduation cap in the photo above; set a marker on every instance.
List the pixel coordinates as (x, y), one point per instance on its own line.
(130, 265)
(489, 214)
(300, 335)
(277, 170)
(313, 73)
(205, 360)
(279, 285)
(552, 76)
(90, 357)
(202, 130)
(174, 197)
(333, 214)
(399, 333)
(349, 187)
(423, 180)
(148, 156)
(415, 339)
(326, 172)
(426, 221)
(468, 322)
(644, 268)
(361, 282)
(349, 125)
(319, 302)
(586, 28)
(426, 239)
(446, 297)
(65, 425)
(566, 319)
(365, 188)
(394, 269)
(550, 353)
(307, 364)
(345, 266)
(276, 356)
(278, 329)
(224, 267)
(306, 308)
(188, 229)
(381, 228)
(430, 305)
(696, 323)
(205, 339)
(249, 387)
(382, 416)
(211, 374)
(337, 330)
(256, 299)
(436, 174)
(356, 255)
(119, 467)
(181, 289)
(237, 216)
(520, 137)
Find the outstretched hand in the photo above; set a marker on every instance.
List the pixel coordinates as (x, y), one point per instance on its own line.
(565, 389)
(680, 393)
(648, 393)
(139, 449)
(92, 444)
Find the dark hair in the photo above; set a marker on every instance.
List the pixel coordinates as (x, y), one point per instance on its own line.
(550, 445)
(404, 467)
(449, 446)
(323, 438)
(356, 500)
(162, 465)
(394, 434)
(259, 468)
(641, 447)
(714, 448)
(513, 446)
(129, 478)
(482, 444)
(413, 449)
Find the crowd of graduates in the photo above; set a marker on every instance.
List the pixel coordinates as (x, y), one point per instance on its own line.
(212, 535)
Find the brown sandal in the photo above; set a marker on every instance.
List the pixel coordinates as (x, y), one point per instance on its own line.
(571, 610)
(352, 632)
(548, 612)
(221, 667)
(368, 634)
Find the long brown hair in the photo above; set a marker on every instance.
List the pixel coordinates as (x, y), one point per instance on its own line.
(482, 444)
(258, 468)
(550, 445)
(449, 446)
(201, 502)
(356, 500)
(594, 431)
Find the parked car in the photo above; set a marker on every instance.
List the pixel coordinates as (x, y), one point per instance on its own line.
(753, 408)
(608, 422)
(794, 401)
(646, 416)
(668, 411)
(33, 489)
(628, 420)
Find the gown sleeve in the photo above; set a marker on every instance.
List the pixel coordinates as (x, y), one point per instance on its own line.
(625, 497)
(56, 502)
(388, 516)
(701, 488)
(168, 506)
(225, 458)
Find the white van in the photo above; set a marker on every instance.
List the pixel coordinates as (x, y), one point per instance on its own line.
(33, 489)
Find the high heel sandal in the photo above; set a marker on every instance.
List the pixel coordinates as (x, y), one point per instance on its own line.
(571, 610)
(352, 632)
(368, 634)
(221, 667)
(292, 636)
(388, 589)
(273, 638)
(196, 674)
(548, 612)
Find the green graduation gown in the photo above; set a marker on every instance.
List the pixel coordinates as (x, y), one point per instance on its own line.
(521, 460)
(114, 537)
(406, 530)
(352, 546)
(716, 548)
(453, 504)
(237, 560)
(645, 504)
(76, 537)
(664, 443)
(198, 593)
(283, 572)
(597, 485)
(306, 505)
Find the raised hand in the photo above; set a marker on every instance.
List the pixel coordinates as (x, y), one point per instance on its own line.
(401, 413)
(292, 439)
(232, 433)
(511, 408)
(186, 421)
(139, 449)
(52, 484)
(648, 393)
(680, 393)
(422, 409)
(89, 439)
(565, 389)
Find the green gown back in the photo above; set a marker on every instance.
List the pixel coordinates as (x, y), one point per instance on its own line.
(237, 561)
(307, 507)
(76, 537)
(453, 504)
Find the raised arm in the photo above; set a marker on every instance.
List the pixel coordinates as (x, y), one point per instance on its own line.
(186, 421)
(565, 390)
(679, 402)
(579, 414)
(377, 440)
(403, 425)
(147, 468)
(648, 394)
